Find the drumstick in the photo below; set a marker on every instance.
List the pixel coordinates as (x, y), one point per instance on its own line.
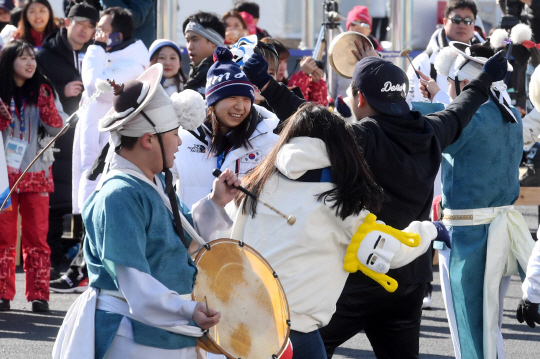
(290, 219)
(406, 52)
(207, 309)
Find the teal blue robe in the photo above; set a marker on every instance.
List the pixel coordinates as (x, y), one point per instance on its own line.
(128, 224)
(479, 170)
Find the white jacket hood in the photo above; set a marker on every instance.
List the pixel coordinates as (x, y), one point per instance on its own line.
(302, 154)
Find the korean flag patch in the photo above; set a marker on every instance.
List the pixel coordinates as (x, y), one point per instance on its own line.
(252, 157)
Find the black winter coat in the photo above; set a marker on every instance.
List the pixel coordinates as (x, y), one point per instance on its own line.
(60, 64)
(197, 76)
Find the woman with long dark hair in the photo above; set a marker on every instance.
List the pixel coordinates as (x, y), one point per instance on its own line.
(37, 22)
(317, 173)
(236, 134)
(29, 114)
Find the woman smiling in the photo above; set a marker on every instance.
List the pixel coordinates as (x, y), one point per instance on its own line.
(236, 134)
(29, 112)
(37, 22)
(167, 53)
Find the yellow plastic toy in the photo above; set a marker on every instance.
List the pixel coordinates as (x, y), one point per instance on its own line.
(351, 262)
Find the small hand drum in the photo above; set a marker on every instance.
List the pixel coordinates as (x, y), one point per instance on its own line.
(340, 56)
(239, 282)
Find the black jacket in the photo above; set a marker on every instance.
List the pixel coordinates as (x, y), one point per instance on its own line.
(197, 75)
(404, 154)
(282, 101)
(59, 62)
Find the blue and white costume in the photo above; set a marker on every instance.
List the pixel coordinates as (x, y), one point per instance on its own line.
(490, 239)
(138, 304)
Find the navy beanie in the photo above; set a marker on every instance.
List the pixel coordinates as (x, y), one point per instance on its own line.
(226, 79)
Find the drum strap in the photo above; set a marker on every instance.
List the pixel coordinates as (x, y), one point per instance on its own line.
(316, 175)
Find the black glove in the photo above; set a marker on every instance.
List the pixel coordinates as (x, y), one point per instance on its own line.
(442, 234)
(256, 70)
(528, 312)
(497, 66)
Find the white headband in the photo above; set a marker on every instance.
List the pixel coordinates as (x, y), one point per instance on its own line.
(209, 34)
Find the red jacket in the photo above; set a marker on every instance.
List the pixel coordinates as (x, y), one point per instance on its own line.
(47, 113)
(313, 91)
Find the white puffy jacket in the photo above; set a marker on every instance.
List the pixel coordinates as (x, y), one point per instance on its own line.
(307, 256)
(195, 167)
(121, 66)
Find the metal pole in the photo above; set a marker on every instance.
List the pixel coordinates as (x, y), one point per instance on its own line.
(331, 76)
(308, 23)
(396, 27)
(159, 19)
(401, 32)
(167, 12)
(332, 29)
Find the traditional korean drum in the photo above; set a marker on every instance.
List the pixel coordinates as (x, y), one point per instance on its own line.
(340, 57)
(239, 282)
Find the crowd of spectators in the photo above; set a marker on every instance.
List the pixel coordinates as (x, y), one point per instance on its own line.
(51, 65)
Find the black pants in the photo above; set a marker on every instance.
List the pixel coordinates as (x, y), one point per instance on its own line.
(391, 321)
(77, 268)
(54, 236)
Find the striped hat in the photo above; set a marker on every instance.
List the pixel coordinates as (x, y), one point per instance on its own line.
(226, 79)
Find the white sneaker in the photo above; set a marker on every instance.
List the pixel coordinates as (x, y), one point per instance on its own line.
(426, 304)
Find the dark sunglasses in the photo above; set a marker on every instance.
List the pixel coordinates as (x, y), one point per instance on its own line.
(457, 20)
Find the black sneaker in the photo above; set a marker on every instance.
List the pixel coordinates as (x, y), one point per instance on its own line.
(40, 305)
(4, 305)
(531, 178)
(66, 285)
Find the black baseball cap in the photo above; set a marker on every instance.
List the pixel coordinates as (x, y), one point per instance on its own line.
(383, 84)
(7, 5)
(84, 11)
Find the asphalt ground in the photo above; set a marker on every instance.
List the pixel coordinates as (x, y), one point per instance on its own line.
(28, 335)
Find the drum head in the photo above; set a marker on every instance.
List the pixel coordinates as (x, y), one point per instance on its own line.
(340, 56)
(239, 282)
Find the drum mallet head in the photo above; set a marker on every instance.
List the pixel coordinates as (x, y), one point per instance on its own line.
(406, 52)
(290, 219)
